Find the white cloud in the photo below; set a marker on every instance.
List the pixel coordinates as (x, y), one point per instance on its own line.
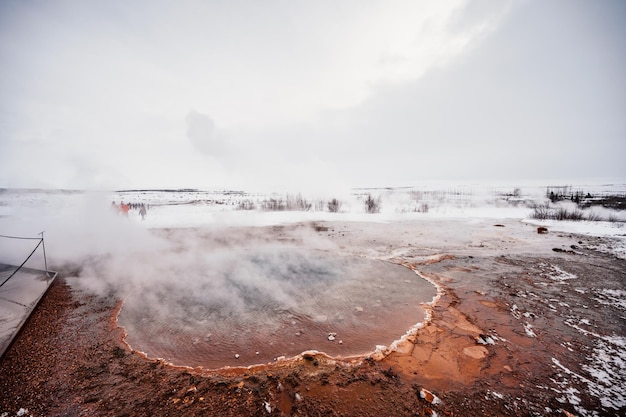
(246, 63)
(281, 86)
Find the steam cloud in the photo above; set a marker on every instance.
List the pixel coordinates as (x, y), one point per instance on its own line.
(225, 269)
(202, 133)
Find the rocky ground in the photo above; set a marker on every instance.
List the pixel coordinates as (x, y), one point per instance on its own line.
(519, 329)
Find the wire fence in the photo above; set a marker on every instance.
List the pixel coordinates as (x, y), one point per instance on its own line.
(40, 242)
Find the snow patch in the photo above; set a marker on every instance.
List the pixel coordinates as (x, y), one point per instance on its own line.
(528, 328)
(606, 372)
(20, 413)
(613, 298)
(561, 275)
(613, 232)
(494, 394)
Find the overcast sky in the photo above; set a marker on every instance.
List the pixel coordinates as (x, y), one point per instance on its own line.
(310, 95)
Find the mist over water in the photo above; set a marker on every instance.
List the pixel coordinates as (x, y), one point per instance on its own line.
(268, 301)
(209, 294)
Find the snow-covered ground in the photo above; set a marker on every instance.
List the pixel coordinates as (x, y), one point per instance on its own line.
(81, 216)
(614, 233)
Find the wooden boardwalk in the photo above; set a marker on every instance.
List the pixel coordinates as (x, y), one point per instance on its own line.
(19, 297)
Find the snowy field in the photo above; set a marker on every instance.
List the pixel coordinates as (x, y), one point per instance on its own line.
(188, 208)
(71, 216)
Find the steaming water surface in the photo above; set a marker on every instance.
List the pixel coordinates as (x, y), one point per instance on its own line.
(262, 303)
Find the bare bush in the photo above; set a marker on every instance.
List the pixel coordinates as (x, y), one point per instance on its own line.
(613, 218)
(372, 205)
(545, 212)
(423, 208)
(334, 205)
(246, 205)
(593, 216)
(541, 212)
(289, 202)
(273, 204)
(565, 214)
(298, 203)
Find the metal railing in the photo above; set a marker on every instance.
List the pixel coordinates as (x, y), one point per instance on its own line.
(40, 242)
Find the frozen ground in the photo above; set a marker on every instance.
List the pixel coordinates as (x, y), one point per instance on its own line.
(68, 217)
(552, 305)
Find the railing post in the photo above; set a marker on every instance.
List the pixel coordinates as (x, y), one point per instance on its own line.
(45, 260)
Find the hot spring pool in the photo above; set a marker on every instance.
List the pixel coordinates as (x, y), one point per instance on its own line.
(252, 306)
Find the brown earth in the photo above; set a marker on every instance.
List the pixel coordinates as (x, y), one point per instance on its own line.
(71, 360)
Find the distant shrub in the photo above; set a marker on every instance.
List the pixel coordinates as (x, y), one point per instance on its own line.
(334, 205)
(517, 192)
(614, 218)
(541, 212)
(545, 212)
(290, 202)
(298, 203)
(372, 205)
(565, 214)
(593, 216)
(273, 204)
(246, 205)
